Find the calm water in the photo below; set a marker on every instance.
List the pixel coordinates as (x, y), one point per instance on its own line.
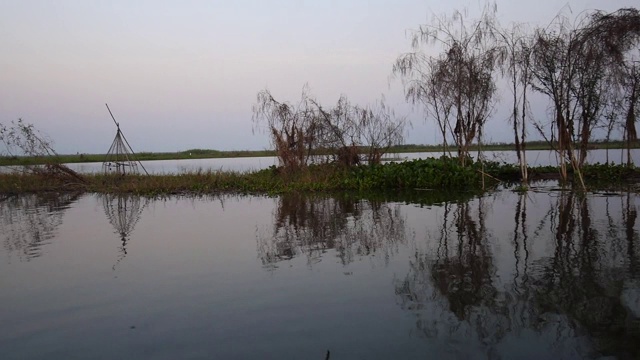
(191, 165)
(546, 275)
(534, 158)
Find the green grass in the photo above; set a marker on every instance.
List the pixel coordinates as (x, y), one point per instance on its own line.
(444, 174)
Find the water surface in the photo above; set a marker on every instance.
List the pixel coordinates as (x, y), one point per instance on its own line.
(534, 158)
(547, 274)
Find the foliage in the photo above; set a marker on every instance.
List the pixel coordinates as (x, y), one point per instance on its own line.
(443, 173)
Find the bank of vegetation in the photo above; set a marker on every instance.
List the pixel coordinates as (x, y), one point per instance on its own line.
(588, 68)
(444, 174)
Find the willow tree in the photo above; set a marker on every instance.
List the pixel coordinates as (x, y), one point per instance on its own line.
(576, 67)
(339, 131)
(618, 33)
(604, 46)
(462, 77)
(345, 130)
(427, 84)
(23, 139)
(308, 132)
(292, 127)
(380, 130)
(555, 68)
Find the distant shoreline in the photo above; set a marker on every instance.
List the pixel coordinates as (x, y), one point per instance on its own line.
(218, 154)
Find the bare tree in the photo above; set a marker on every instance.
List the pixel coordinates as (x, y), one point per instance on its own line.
(578, 67)
(308, 132)
(515, 59)
(380, 130)
(464, 73)
(602, 47)
(23, 139)
(612, 114)
(292, 127)
(346, 129)
(426, 84)
(554, 69)
(618, 33)
(340, 131)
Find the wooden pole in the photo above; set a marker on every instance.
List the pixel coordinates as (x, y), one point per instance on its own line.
(114, 119)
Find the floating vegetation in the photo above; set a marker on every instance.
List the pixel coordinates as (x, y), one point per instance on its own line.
(444, 174)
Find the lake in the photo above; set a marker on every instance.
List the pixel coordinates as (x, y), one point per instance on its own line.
(534, 158)
(548, 274)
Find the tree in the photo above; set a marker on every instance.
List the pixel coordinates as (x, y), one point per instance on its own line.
(308, 132)
(23, 139)
(578, 68)
(603, 47)
(340, 131)
(459, 82)
(293, 128)
(619, 35)
(554, 70)
(515, 57)
(380, 130)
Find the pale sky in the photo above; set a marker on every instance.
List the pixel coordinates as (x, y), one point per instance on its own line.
(184, 74)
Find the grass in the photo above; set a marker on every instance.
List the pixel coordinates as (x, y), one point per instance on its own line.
(444, 174)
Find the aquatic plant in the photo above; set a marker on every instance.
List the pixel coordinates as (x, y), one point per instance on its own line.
(443, 174)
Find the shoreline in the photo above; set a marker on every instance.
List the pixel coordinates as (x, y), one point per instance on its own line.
(415, 175)
(226, 154)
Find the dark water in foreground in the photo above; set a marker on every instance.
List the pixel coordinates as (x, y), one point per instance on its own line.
(547, 274)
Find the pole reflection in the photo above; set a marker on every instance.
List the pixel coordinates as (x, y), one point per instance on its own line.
(123, 212)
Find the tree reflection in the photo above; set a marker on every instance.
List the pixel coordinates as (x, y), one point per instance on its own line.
(454, 283)
(310, 226)
(629, 219)
(586, 276)
(576, 286)
(28, 222)
(123, 212)
(464, 276)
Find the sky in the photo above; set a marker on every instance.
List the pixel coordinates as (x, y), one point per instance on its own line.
(184, 74)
